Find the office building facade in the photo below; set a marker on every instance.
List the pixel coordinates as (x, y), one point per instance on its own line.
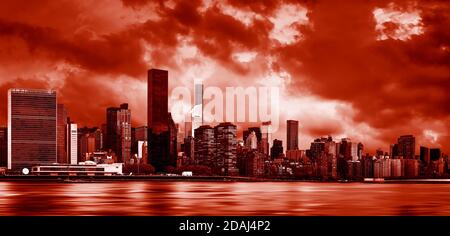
(32, 132)
(292, 135)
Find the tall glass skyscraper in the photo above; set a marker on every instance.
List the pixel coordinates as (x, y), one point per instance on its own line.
(292, 135)
(160, 133)
(31, 128)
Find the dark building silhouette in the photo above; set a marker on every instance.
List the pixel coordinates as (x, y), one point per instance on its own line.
(61, 137)
(32, 128)
(406, 146)
(435, 154)
(424, 155)
(3, 146)
(161, 128)
(317, 148)
(118, 131)
(345, 148)
(277, 149)
(292, 135)
(393, 150)
(173, 131)
(188, 149)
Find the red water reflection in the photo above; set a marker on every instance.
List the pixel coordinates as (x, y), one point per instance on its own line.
(222, 198)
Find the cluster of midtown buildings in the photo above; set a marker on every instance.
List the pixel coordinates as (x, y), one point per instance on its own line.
(41, 135)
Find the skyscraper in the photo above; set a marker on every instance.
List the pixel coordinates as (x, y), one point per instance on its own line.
(3, 146)
(346, 149)
(292, 135)
(118, 122)
(407, 146)
(159, 142)
(173, 147)
(61, 138)
(425, 154)
(226, 141)
(277, 149)
(72, 143)
(317, 148)
(31, 128)
(197, 110)
(393, 150)
(204, 145)
(435, 154)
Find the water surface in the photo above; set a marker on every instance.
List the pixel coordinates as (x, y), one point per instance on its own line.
(222, 198)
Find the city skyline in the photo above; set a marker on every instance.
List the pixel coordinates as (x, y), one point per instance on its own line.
(405, 146)
(62, 112)
(372, 80)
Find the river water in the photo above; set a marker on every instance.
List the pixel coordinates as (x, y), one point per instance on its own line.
(223, 198)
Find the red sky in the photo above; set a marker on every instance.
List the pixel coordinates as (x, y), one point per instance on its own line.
(370, 71)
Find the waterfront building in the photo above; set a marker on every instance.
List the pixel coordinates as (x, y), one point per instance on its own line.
(118, 122)
(159, 123)
(251, 163)
(396, 168)
(354, 169)
(89, 141)
(424, 155)
(3, 146)
(435, 154)
(32, 118)
(173, 144)
(61, 138)
(292, 135)
(411, 168)
(188, 149)
(406, 146)
(72, 143)
(277, 149)
(88, 168)
(317, 148)
(204, 145)
(393, 150)
(367, 165)
(226, 141)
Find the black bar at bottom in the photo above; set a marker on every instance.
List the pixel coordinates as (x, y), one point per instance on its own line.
(220, 225)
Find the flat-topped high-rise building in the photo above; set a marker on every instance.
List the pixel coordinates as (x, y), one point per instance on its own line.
(407, 146)
(292, 135)
(31, 128)
(61, 137)
(118, 124)
(161, 128)
(3, 146)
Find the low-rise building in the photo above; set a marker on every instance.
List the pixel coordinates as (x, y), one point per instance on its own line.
(82, 169)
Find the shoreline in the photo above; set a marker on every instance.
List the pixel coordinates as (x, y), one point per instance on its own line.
(161, 178)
